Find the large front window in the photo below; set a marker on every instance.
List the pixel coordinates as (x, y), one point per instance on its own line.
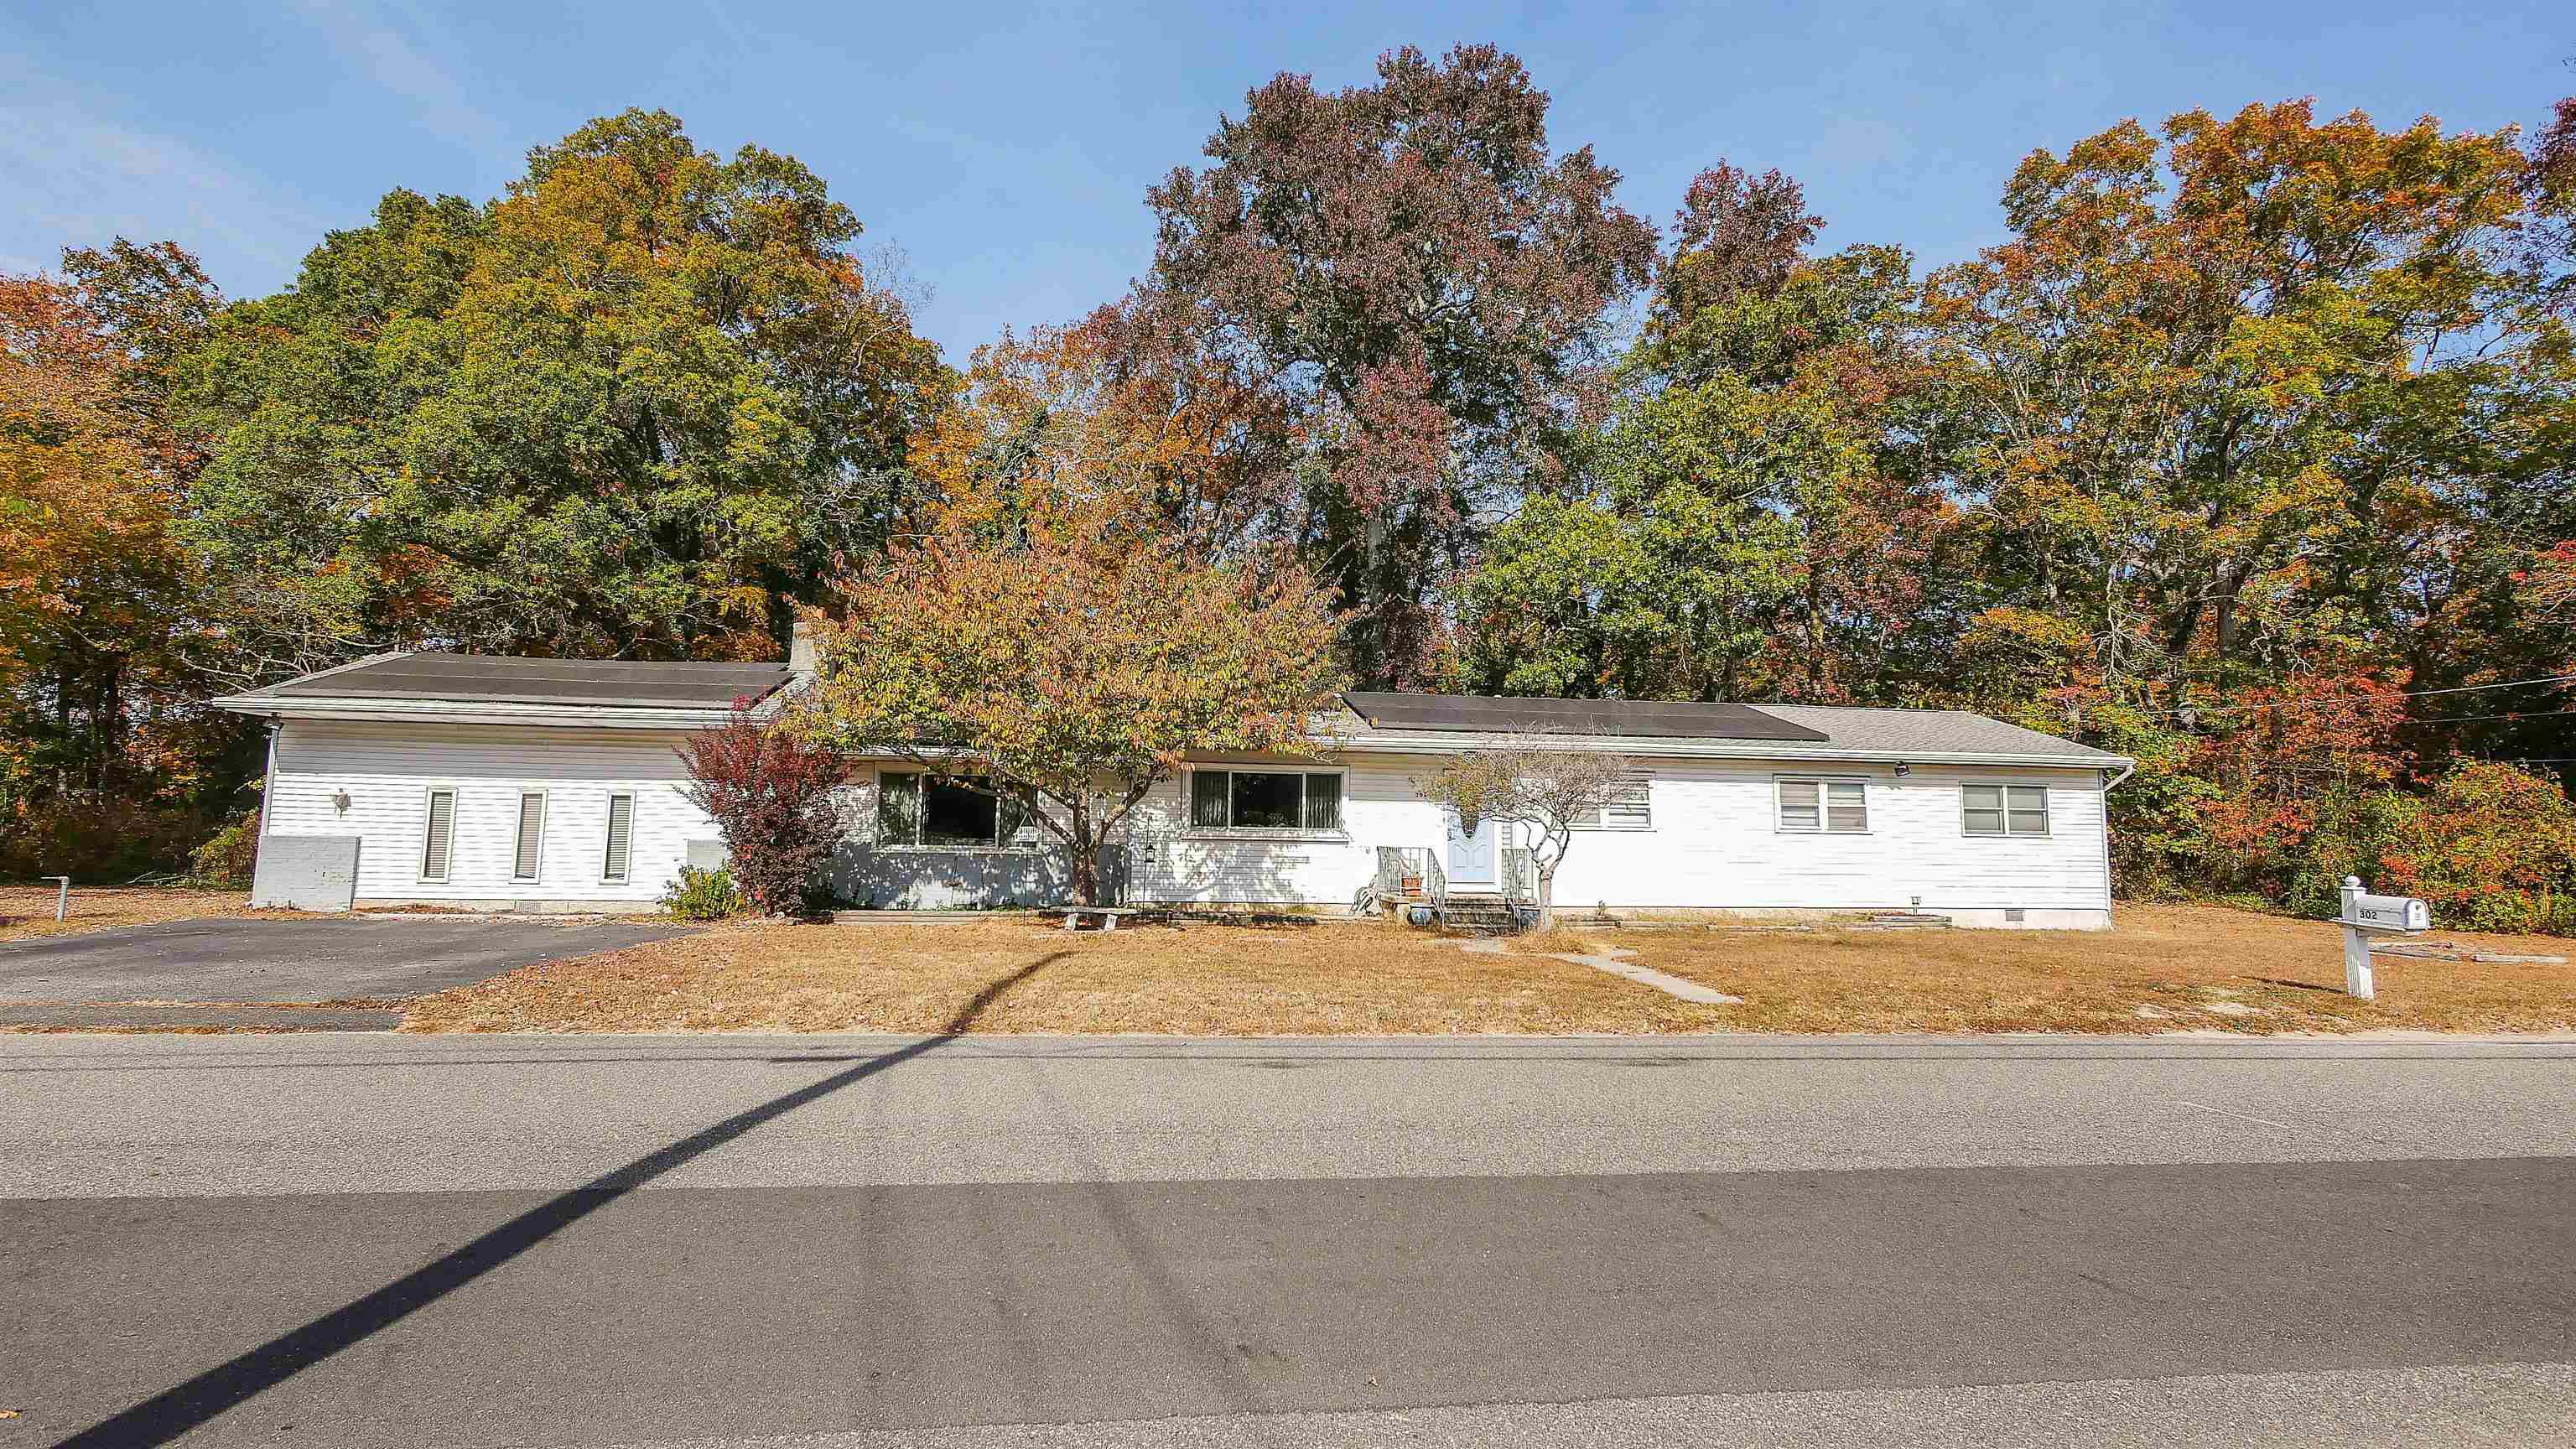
(1265, 800)
(916, 809)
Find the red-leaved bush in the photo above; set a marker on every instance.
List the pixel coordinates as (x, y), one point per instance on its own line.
(770, 795)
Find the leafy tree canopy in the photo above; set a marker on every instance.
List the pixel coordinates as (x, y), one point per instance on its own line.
(637, 406)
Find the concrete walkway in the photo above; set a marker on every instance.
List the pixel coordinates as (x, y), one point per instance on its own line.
(1663, 981)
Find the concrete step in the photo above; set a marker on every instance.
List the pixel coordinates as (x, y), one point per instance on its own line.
(1902, 921)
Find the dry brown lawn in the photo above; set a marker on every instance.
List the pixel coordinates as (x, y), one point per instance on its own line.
(28, 911)
(2161, 968)
(1323, 979)
(2165, 968)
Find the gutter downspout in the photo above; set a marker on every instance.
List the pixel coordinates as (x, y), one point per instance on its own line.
(2108, 786)
(268, 779)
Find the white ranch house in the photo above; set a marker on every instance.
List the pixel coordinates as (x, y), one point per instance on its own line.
(551, 785)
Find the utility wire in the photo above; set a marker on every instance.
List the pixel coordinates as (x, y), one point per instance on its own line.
(2363, 698)
(2475, 718)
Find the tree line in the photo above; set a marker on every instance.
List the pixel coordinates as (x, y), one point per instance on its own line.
(2247, 453)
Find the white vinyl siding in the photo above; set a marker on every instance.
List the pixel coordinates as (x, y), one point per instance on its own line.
(1714, 841)
(1823, 806)
(473, 777)
(438, 835)
(618, 856)
(1714, 845)
(2002, 809)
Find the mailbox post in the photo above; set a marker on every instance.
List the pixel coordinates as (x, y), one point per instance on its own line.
(2365, 916)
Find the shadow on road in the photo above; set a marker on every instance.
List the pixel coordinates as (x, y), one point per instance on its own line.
(178, 1410)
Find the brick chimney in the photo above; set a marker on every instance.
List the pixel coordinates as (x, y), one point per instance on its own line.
(800, 647)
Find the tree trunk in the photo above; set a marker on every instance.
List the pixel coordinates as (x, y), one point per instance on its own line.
(1547, 897)
(1086, 857)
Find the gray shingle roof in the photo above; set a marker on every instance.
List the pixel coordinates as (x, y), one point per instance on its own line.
(1929, 732)
(1626, 718)
(501, 679)
(1796, 728)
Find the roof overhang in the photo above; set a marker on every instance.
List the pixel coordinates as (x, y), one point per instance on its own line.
(1459, 742)
(379, 710)
(488, 712)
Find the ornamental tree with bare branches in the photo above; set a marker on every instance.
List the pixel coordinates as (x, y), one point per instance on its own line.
(1546, 788)
(1071, 671)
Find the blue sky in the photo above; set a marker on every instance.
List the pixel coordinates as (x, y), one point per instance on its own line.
(1006, 151)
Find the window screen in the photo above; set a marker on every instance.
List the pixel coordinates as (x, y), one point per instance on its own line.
(2003, 809)
(530, 848)
(1833, 807)
(1846, 806)
(1208, 792)
(1629, 804)
(1323, 802)
(439, 835)
(899, 809)
(621, 837)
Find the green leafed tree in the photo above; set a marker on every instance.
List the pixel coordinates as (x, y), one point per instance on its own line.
(1756, 519)
(637, 406)
(1070, 670)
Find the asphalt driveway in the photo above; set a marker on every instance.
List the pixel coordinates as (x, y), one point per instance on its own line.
(60, 980)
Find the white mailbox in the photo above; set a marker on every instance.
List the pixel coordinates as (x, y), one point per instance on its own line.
(2393, 914)
(2365, 916)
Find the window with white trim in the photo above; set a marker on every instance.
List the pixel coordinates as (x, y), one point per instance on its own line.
(1627, 805)
(1823, 806)
(619, 854)
(916, 809)
(2003, 809)
(438, 835)
(528, 851)
(1230, 799)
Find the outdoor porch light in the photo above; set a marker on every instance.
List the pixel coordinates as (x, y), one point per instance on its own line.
(340, 800)
(1903, 768)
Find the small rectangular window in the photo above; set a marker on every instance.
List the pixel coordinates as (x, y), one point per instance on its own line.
(1981, 809)
(899, 808)
(530, 851)
(1323, 802)
(1798, 805)
(1830, 807)
(621, 838)
(2026, 809)
(1629, 804)
(2003, 809)
(1846, 806)
(438, 835)
(1208, 792)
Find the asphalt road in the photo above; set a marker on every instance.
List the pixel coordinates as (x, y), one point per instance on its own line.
(57, 980)
(344, 1240)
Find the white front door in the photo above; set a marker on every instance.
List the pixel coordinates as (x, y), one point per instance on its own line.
(1471, 857)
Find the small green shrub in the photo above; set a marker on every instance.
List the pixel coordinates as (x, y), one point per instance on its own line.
(702, 895)
(96, 839)
(228, 857)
